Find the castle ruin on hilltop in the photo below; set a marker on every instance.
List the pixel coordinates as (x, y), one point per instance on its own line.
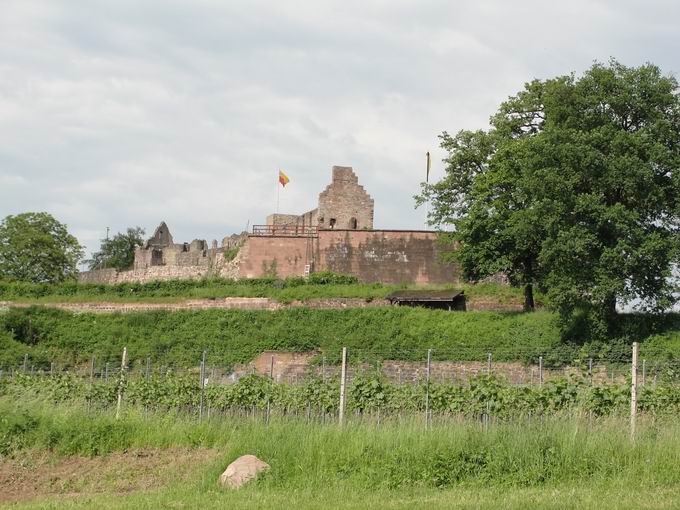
(338, 235)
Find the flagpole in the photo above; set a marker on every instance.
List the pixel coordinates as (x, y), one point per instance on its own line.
(278, 194)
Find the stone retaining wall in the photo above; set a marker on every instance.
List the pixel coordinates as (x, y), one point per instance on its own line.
(240, 303)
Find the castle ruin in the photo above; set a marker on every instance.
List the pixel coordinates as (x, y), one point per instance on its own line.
(338, 235)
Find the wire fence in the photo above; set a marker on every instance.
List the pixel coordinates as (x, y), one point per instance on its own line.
(331, 386)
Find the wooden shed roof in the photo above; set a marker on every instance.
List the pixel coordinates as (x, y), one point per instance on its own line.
(425, 295)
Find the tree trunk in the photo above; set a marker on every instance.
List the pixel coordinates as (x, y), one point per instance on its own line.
(529, 305)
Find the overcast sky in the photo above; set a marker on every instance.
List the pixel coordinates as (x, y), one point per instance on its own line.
(121, 113)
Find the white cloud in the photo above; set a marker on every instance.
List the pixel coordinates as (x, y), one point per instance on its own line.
(122, 113)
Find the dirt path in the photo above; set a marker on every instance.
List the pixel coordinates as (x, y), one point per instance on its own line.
(35, 476)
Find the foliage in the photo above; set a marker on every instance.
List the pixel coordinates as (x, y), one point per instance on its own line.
(331, 278)
(231, 253)
(237, 336)
(119, 251)
(574, 188)
(35, 247)
(482, 396)
(318, 285)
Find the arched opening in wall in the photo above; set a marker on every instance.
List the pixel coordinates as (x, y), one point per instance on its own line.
(353, 223)
(332, 223)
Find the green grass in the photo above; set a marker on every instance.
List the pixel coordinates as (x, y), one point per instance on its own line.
(552, 464)
(237, 336)
(579, 497)
(321, 285)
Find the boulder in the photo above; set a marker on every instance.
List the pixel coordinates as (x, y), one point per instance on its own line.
(242, 470)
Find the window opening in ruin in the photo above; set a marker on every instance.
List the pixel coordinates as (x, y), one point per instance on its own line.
(353, 223)
(332, 223)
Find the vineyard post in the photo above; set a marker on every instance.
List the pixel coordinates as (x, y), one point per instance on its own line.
(427, 388)
(644, 371)
(121, 382)
(633, 390)
(25, 363)
(488, 364)
(343, 381)
(106, 373)
(92, 362)
(51, 368)
(200, 409)
(148, 368)
(590, 370)
(540, 371)
(271, 382)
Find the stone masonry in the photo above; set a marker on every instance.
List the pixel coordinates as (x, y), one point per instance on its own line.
(337, 235)
(344, 204)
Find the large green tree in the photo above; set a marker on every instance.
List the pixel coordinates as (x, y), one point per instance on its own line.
(35, 247)
(575, 187)
(119, 251)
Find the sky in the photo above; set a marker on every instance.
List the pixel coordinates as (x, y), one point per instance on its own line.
(125, 113)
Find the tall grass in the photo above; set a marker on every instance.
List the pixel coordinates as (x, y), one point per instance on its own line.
(390, 456)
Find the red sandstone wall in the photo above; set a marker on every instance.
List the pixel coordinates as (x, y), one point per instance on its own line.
(386, 256)
(288, 255)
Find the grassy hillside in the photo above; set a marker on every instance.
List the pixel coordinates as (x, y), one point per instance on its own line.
(319, 285)
(236, 336)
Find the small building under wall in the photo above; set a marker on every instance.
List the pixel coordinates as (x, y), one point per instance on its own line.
(447, 299)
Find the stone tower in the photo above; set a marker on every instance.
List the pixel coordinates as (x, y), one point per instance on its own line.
(345, 204)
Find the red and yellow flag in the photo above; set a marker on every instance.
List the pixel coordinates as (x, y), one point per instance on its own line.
(283, 178)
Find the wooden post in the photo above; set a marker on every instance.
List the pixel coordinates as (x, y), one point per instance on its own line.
(540, 371)
(633, 390)
(121, 382)
(488, 364)
(200, 408)
(271, 378)
(343, 381)
(427, 388)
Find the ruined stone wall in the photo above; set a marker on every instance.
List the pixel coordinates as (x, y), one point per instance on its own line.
(283, 219)
(283, 256)
(112, 276)
(386, 256)
(344, 204)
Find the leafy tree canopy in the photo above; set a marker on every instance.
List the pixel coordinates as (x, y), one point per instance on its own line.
(119, 251)
(35, 247)
(575, 188)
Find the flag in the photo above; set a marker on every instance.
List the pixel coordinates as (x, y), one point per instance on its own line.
(427, 174)
(283, 178)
